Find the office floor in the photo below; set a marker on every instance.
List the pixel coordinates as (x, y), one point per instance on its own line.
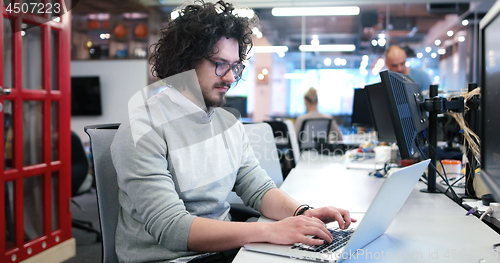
(87, 249)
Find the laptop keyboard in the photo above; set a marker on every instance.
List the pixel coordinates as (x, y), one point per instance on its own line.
(340, 238)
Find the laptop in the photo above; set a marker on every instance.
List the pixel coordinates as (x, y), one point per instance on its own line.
(390, 198)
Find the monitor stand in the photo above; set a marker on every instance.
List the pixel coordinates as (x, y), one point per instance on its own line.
(435, 105)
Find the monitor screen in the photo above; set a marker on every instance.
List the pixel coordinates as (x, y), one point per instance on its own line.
(239, 103)
(403, 101)
(490, 97)
(381, 117)
(85, 96)
(361, 115)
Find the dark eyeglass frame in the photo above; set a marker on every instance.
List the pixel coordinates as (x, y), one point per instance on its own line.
(232, 67)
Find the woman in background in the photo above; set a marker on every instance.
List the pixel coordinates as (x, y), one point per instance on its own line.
(311, 102)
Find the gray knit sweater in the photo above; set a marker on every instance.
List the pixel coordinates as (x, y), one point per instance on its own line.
(176, 162)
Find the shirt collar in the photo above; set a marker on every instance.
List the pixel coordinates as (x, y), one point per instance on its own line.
(188, 105)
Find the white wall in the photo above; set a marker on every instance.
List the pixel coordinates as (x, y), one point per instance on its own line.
(120, 79)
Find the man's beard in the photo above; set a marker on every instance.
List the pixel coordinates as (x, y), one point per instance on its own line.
(218, 102)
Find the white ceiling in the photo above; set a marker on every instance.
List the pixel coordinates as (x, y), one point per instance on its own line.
(291, 3)
(405, 22)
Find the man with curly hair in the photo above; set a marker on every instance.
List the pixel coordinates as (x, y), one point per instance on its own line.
(179, 155)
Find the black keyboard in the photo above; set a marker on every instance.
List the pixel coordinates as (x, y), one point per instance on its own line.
(340, 238)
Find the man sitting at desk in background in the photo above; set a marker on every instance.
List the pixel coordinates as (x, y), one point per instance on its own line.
(395, 60)
(180, 155)
(311, 102)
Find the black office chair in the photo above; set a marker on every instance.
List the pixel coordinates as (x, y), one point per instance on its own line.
(312, 131)
(81, 181)
(284, 145)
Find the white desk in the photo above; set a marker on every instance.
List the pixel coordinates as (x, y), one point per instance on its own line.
(429, 227)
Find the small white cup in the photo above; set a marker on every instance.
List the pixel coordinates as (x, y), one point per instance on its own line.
(382, 154)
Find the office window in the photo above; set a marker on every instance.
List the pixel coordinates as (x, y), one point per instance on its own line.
(335, 89)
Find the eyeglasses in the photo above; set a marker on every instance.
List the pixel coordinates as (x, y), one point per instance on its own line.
(222, 68)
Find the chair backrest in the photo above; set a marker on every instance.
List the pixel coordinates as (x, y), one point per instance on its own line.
(286, 142)
(79, 165)
(292, 134)
(262, 141)
(280, 131)
(263, 145)
(101, 137)
(313, 129)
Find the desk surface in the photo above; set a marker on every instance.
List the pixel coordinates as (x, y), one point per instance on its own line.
(429, 227)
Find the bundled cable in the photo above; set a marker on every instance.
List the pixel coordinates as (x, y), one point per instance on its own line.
(472, 139)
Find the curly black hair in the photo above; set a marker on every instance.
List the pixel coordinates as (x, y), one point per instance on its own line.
(187, 39)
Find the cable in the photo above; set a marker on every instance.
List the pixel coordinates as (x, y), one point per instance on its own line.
(386, 168)
(456, 198)
(458, 180)
(445, 179)
(472, 139)
(487, 212)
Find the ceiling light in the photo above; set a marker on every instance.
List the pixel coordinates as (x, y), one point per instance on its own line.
(465, 22)
(257, 32)
(441, 51)
(407, 64)
(433, 55)
(133, 15)
(316, 11)
(269, 49)
(327, 62)
(437, 42)
(428, 49)
(315, 41)
(248, 13)
(420, 55)
(280, 54)
(337, 62)
(461, 38)
(449, 33)
(327, 48)
(374, 42)
(174, 14)
(381, 42)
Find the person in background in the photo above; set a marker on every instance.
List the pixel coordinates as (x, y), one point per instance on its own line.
(395, 60)
(178, 155)
(311, 102)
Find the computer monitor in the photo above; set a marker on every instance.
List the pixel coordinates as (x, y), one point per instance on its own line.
(381, 117)
(85, 96)
(490, 97)
(239, 103)
(361, 115)
(408, 119)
